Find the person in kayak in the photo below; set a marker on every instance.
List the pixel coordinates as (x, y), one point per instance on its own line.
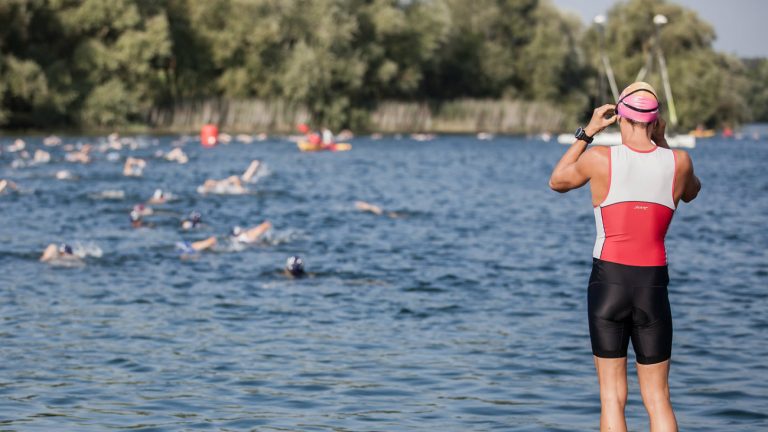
(327, 135)
(315, 138)
(636, 188)
(321, 139)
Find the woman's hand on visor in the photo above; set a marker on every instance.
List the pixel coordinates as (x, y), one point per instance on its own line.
(602, 117)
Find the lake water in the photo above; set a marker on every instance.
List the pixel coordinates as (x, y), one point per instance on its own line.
(466, 312)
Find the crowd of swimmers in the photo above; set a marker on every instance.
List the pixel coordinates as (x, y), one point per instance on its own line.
(236, 239)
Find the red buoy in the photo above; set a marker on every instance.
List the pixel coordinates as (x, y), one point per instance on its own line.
(209, 135)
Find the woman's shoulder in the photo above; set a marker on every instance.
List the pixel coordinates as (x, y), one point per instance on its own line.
(682, 159)
(597, 154)
(595, 161)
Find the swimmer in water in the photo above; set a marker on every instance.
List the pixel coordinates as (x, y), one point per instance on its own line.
(159, 197)
(65, 175)
(370, 208)
(237, 235)
(8, 186)
(194, 220)
(250, 235)
(62, 252)
(232, 185)
(636, 188)
(294, 267)
(17, 146)
(52, 141)
(134, 167)
(143, 210)
(80, 156)
(41, 157)
(177, 155)
(137, 220)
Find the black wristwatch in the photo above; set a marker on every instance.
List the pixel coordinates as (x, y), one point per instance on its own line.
(581, 134)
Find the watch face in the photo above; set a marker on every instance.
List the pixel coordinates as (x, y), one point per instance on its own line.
(579, 131)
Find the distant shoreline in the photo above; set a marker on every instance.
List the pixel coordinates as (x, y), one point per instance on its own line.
(497, 116)
(91, 133)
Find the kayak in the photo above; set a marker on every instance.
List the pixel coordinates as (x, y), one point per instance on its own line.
(702, 133)
(306, 146)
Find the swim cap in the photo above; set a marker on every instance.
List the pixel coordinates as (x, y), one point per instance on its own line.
(295, 266)
(135, 216)
(236, 231)
(65, 249)
(638, 102)
(195, 218)
(158, 194)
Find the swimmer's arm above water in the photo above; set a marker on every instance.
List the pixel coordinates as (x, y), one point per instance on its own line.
(49, 253)
(251, 171)
(7, 184)
(254, 233)
(204, 244)
(576, 166)
(364, 206)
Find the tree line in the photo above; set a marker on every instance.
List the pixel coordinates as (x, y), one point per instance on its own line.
(107, 63)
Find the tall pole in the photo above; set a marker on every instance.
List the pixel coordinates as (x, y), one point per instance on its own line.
(660, 20)
(648, 64)
(600, 21)
(611, 78)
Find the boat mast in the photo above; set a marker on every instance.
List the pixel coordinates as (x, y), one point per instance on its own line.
(600, 22)
(660, 20)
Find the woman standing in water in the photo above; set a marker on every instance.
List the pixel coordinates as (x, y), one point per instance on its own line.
(636, 188)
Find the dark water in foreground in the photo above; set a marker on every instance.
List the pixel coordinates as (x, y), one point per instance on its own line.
(466, 313)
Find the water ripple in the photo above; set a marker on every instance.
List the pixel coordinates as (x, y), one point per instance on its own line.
(467, 311)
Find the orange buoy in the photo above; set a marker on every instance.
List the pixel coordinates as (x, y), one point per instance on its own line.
(209, 135)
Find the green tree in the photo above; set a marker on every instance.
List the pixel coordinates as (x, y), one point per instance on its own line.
(64, 59)
(99, 63)
(757, 89)
(707, 86)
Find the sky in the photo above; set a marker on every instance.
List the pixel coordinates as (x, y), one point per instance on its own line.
(740, 24)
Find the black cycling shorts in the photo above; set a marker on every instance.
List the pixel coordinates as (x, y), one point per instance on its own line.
(629, 302)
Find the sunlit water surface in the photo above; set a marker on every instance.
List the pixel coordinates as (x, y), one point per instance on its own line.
(466, 312)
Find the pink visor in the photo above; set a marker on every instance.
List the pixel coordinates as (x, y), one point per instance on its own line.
(641, 107)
